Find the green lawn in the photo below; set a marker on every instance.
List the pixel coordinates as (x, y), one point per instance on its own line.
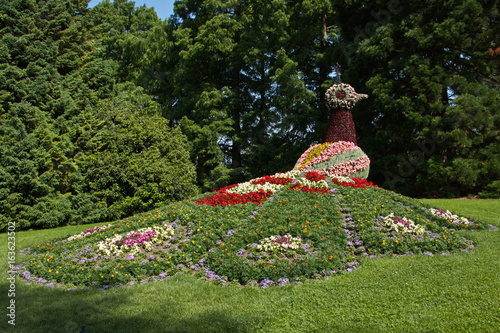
(452, 293)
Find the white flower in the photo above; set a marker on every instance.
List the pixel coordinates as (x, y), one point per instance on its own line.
(447, 215)
(87, 232)
(279, 244)
(402, 225)
(310, 183)
(112, 246)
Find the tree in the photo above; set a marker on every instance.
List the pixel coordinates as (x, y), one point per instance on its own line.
(137, 162)
(41, 44)
(63, 116)
(424, 64)
(245, 84)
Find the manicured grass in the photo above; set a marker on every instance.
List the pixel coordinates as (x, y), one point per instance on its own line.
(453, 293)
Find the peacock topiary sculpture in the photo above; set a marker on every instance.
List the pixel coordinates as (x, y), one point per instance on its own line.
(338, 155)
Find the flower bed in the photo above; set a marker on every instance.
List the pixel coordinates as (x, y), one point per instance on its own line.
(274, 230)
(342, 158)
(136, 242)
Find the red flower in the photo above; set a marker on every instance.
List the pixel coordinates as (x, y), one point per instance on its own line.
(314, 176)
(297, 187)
(226, 199)
(272, 180)
(358, 183)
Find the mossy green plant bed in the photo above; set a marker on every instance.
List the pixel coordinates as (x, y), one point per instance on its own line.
(276, 230)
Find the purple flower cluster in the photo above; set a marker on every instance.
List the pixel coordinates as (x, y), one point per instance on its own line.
(136, 239)
(92, 230)
(400, 220)
(283, 240)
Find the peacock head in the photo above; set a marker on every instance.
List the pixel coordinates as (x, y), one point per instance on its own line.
(342, 96)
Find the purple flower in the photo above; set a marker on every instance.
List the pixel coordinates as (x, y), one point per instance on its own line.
(162, 275)
(230, 232)
(283, 281)
(265, 283)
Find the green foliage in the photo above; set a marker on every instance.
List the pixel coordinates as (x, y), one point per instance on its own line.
(432, 82)
(139, 162)
(242, 62)
(244, 81)
(492, 190)
(72, 146)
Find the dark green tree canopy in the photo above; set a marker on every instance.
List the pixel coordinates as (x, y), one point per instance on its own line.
(75, 145)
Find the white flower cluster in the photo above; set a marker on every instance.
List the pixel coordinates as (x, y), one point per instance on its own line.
(248, 187)
(295, 174)
(87, 232)
(447, 215)
(402, 225)
(310, 183)
(279, 244)
(117, 245)
(342, 96)
(343, 179)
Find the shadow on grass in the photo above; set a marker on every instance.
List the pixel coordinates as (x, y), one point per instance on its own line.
(42, 309)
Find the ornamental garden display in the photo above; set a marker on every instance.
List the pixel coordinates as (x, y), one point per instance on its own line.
(338, 155)
(319, 220)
